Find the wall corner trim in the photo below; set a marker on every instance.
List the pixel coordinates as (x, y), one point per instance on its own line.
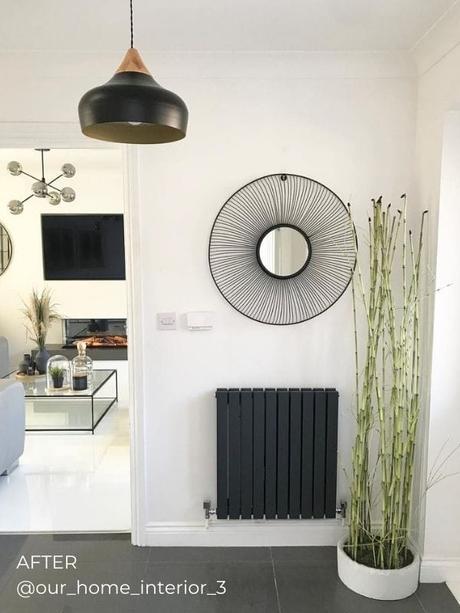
(442, 38)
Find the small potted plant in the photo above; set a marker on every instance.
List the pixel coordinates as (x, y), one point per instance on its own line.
(57, 375)
(377, 558)
(40, 313)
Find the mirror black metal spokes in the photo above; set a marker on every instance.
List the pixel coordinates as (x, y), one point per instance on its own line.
(282, 249)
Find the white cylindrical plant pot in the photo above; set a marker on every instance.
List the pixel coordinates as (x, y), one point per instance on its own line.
(376, 583)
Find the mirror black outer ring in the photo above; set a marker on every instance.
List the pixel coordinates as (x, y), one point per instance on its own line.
(259, 242)
(226, 297)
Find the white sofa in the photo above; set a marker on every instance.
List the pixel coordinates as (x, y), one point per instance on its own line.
(12, 415)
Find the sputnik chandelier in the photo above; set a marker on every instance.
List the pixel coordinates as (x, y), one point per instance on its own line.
(40, 187)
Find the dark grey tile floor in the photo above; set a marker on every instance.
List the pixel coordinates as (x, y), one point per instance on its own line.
(259, 580)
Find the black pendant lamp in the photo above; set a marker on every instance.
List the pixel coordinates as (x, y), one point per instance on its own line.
(132, 107)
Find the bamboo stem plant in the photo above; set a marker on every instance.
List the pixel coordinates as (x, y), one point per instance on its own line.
(387, 391)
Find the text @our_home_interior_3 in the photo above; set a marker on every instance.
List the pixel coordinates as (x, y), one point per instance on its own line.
(28, 588)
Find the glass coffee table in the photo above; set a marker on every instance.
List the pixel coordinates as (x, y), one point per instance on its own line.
(68, 410)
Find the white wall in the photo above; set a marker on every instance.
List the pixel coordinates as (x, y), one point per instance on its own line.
(442, 537)
(99, 186)
(438, 159)
(347, 126)
(346, 119)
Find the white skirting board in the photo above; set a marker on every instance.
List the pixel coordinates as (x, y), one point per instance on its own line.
(438, 570)
(287, 533)
(244, 533)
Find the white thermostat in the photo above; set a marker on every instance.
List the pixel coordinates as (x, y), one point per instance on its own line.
(199, 320)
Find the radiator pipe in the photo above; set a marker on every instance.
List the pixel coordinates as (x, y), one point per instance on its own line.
(210, 513)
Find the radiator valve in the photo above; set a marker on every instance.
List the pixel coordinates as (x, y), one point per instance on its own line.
(208, 512)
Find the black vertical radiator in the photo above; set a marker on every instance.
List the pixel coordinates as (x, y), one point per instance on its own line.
(276, 453)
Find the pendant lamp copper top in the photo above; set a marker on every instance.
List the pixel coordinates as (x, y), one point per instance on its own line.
(132, 107)
(132, 62)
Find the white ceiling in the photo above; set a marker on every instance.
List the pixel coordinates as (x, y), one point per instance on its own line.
(211, 25)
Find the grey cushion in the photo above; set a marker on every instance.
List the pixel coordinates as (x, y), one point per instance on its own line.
(12, 423)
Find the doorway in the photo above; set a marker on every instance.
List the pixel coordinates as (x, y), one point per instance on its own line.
(62, 474)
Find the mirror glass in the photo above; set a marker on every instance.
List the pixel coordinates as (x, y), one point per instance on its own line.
(284, 251)
(6, 249)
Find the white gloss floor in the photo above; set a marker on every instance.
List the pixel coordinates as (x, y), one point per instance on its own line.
(71, 482)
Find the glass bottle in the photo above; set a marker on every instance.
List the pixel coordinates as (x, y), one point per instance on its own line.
(24, 364)
(82, 369)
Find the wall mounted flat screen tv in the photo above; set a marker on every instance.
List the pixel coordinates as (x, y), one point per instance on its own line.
(83, 247)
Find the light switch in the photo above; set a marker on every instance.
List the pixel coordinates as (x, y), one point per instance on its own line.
(166, 321)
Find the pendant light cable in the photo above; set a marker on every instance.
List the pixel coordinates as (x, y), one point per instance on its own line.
(131, 17)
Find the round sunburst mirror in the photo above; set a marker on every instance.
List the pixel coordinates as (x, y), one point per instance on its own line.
(282, 249)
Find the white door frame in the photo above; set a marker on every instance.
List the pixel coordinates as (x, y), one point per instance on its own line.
(67, 135)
